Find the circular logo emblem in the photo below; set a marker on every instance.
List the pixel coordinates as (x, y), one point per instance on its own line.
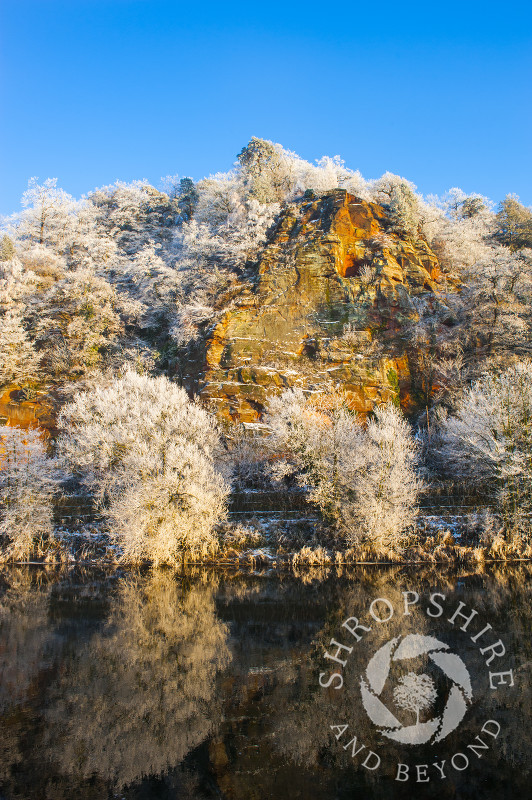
(415, 693)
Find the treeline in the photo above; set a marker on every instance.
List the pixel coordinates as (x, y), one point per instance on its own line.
(99, 297)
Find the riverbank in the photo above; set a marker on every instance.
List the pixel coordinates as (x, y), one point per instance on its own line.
(245, 550)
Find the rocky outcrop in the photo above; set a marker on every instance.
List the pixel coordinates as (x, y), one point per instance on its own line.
(16, 411)
(332, 300)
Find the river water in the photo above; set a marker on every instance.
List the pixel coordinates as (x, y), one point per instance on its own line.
(213, 685)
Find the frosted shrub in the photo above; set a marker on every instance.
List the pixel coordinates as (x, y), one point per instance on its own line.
(27, 483)
(363, 479)
(388, 486)
(18, 360)
(247, 458)
(405, 205)
(488, 442)
(148, 454)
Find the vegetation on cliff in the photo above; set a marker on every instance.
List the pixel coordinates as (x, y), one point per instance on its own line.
(266, 292)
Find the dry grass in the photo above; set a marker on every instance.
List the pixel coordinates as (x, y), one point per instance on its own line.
(311, 557)
(240, 545)
(239, 537)
(45, 549)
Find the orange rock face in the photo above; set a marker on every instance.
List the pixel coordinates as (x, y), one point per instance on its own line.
(17, 412)
(328, 303)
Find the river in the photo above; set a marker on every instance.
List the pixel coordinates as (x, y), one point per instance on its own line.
(265, 685)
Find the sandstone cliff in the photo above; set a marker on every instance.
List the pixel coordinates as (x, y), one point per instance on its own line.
(16, 411)
(333, 299)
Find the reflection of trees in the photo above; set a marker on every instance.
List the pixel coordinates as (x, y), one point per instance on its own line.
(27, 648)
(141, 694)
(503, 599)
(24, 635)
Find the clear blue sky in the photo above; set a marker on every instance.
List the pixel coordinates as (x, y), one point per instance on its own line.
(97, 90)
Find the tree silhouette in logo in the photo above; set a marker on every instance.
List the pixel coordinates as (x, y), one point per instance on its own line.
(415, 693)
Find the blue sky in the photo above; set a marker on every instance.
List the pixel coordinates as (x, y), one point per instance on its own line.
(97, 90)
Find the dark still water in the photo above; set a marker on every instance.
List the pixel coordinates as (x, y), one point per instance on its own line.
(221, 686)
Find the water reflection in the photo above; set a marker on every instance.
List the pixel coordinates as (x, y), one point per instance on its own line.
(27, 644)
(26, 639)
(141, 694)
(208, 686)
(502, 600)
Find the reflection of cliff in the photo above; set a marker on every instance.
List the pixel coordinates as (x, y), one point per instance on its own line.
(141, 694)
(302, 730)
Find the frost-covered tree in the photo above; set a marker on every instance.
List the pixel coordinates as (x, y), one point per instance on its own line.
(240, 238)
(272, 174)
(487, 442)
(216, 196)
(228, 224)
(77, 319)
(364, 479)
(133, 214)
(264, 170)
(16, 285)
(388, 486)
(7, 248)
(495, 303)
(189, 318)
(148, 454)
(187, 199)
(491, 310)
(19, 363)
(28, 479)
(49, 213)
(148, 280)
(405, 205)
(459, 228)
(92, 243)
(514, 224)
(225, 234)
